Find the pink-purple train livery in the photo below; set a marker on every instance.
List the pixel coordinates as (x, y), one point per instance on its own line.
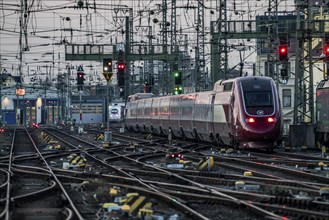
(243, 112)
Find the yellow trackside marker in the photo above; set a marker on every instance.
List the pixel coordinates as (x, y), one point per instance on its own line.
(108, 204)
(208, 163)
(247, 173)
(125, 208)
(148, 205)
(113, 192)
(50, 140)
(57, 146)
(322, 164)
(100, 137)
(137, 204)
(75, 160)
(239, 183)
(145, 212)
(132, 194)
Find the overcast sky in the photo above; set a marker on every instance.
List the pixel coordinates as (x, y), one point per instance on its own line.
(48, 24)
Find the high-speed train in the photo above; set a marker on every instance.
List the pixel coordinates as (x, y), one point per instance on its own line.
(115, 113)
(243, 112)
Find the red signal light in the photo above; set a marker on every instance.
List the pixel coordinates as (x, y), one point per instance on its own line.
(283, 52)
(121, 66)
(326, 52)
(176, 155)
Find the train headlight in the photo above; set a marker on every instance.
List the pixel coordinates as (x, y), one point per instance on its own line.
(271, 120)
(250, 120)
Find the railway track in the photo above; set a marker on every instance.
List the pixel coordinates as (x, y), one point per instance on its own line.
(159, 152)
(138, 167)
(31, 189)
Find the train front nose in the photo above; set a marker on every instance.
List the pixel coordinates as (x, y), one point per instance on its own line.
(261, 128)
(260, 132)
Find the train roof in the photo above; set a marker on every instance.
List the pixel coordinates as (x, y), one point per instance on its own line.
(138, 96)
(227, 84)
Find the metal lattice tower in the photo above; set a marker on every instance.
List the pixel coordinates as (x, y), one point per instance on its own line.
(164, 27)
(200, 55)
(222, 41)
(173, 27)
(304, 100)
(129, 50)
(273, 40)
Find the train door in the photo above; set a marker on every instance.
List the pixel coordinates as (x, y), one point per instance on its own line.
(210, 122)
(164, 113)
(155, 122)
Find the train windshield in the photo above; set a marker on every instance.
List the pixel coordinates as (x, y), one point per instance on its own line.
(258, 99)
(257, 93)
(114, 111)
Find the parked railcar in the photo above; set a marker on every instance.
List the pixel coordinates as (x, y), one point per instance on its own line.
(242, 112)
(322, 112)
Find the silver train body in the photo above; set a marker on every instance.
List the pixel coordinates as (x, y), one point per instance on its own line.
(115, 113)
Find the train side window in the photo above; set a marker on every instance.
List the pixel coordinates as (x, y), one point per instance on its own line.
(155, 112)
(228, 86)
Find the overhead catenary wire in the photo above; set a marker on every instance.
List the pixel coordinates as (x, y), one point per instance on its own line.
(108, 31)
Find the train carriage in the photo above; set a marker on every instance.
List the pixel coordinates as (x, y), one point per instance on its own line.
(243, 112)
(322, 112)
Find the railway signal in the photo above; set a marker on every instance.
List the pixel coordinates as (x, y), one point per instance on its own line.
(107, 68)
(177, 77)
(121, 67)
(107, 65)
(178, 90)
(80, 77)
(326, 52)
(283, 52)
